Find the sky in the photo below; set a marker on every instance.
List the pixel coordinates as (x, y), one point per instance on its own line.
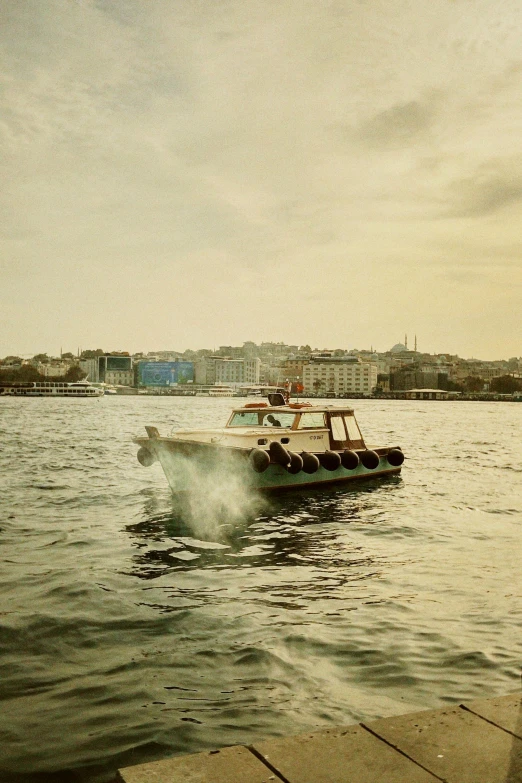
(194, 173)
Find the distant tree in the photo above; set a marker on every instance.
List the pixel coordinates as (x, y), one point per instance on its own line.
(73, 374)
(41, 358)
(505, 384)
(24, 374)
(92, 354)
(443, 382)
(473, 383)
(28, 373)
(12, 360)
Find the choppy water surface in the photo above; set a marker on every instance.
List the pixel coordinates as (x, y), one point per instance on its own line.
(132, 628)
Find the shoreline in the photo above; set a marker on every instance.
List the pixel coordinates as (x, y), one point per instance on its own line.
(478, 741)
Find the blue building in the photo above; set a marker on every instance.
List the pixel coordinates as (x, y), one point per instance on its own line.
(164, 374)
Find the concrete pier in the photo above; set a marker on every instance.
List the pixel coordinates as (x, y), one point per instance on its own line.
(476, 742)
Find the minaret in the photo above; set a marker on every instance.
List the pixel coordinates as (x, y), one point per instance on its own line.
(415, 343)
(406, 340)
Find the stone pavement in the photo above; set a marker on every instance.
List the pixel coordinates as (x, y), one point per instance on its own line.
(476, 742)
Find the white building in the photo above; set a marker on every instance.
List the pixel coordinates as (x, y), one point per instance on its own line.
(339, 375)
(119, 377)
(115, 371)
(90, 366)
(252, 370)
(230, 371)
(236, 371)
(210, 370)
(53, 370)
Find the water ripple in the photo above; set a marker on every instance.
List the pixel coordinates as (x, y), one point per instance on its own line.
(133, 626)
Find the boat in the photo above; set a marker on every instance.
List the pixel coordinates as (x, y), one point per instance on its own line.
(271, 446)
(50, 389)
(215, 391)
(104, 388)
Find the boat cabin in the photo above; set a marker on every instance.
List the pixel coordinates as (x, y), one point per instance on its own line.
(336, 425)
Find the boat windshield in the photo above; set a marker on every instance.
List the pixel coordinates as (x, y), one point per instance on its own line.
(278, 419)
(311, 420)
(244, 419)
(261, 418)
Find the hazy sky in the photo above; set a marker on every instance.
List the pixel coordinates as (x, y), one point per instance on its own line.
(190, 173)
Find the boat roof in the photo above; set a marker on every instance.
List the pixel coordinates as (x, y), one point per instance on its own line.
(294, 408)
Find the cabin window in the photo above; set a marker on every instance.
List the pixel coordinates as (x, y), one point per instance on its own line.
(276, 419)
(311, 421)
(353, 429)
(244, 419)
(338, 432)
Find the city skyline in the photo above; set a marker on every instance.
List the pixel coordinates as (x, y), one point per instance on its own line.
(184, 174)
(215, 350)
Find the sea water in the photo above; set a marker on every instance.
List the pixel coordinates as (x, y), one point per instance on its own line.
(133, 626)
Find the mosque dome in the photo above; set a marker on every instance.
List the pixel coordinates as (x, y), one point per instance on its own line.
(398, 348)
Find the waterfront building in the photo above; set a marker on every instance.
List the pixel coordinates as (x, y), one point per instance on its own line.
(428, 394)
(205, 370)
(115, 370)
(210, 370)
(291, 370)
(90, 368)
(479, 369)
(163, 374)
(53, 369)
(339, 375)
(406, 379)
(236, 371)
(252, 370)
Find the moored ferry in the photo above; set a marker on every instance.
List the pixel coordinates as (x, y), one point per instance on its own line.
(274, 446)
(217, 390)
(50, 389)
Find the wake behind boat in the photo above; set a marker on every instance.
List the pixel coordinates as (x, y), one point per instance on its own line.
(279, 445)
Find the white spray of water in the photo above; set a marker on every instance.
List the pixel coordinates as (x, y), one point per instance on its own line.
(216, 492)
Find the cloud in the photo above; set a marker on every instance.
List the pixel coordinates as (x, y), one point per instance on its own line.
(495, 185)
(399, 125)
(274, 153)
